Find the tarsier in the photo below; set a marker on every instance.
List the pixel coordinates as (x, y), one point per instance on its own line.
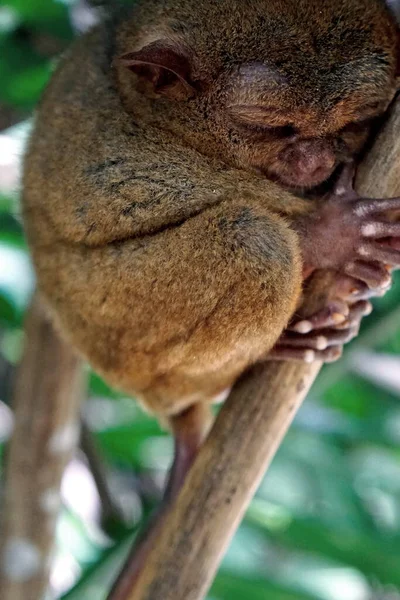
(166, 192)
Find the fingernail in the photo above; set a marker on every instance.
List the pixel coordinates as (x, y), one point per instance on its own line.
(309, 356)
(338, 318)
(302, 327)
(322, 342)
(344, 325)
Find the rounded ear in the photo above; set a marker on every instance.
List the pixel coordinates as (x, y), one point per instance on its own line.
(166, 67)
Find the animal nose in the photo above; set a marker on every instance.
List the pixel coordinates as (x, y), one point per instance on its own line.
(310, 160)
(310, 157)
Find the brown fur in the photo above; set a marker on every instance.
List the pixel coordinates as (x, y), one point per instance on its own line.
(167, 256)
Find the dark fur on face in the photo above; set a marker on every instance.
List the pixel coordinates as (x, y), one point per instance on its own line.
(286, 88)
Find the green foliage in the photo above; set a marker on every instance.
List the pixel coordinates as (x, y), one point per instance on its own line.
(325, 524)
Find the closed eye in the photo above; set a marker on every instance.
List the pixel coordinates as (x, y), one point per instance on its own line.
(370, 113)
(356, 126)
(282, 131)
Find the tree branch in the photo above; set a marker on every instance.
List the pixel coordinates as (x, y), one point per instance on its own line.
(47, 393)
(111, 515)
(245, 437)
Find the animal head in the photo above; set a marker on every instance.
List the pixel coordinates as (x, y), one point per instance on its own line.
(287, 88)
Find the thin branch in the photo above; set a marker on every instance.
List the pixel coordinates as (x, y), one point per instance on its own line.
(6, 378)
(245, 437)
(111, 515)
(47, 393)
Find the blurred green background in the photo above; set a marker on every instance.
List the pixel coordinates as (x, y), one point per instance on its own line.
(325, 524)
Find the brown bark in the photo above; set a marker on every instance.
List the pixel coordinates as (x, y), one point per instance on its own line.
(245, 437)
(47, 393)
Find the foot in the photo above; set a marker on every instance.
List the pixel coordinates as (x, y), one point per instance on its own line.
(322, 336)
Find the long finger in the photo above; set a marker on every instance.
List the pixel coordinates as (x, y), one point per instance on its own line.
(375, 275)
(321, 341)
(334, 313)
(357, 312)
(350, 290)
(304, 355)
(381, 229)
(383, 254)
(370, 206)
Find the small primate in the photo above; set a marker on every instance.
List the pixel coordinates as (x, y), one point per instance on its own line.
(167, 193)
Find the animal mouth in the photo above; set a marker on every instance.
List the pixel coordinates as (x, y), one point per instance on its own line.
(293, 181)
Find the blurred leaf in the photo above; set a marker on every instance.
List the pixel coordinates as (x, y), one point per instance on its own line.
(6, 206)
(46, 15)
(9, 315)
(23, 73)
(375, 556)
(124, 446)
(228, 586)
(98, 387)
